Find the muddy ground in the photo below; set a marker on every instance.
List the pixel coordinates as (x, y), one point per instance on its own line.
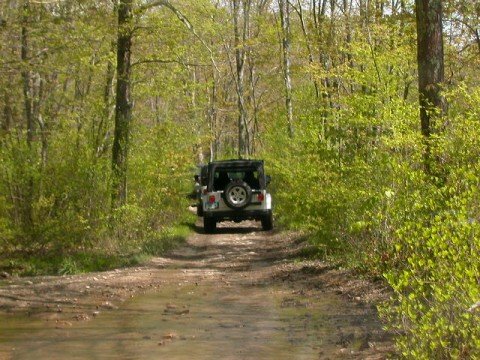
(236, 254)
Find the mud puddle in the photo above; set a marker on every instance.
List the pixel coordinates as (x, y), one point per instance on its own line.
(202, 322)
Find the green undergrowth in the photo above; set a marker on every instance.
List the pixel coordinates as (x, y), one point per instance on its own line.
(95, 259)
(57, 217)
(359, 187)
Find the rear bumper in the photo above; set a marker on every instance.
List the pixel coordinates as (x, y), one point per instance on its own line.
(237, 215)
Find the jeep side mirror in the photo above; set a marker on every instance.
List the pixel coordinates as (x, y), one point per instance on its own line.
(268, 179)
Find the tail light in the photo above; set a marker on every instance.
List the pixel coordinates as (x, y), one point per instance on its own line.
(260, 197)
(211, 199)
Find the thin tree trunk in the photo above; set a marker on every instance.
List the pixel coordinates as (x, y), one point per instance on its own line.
(123, 106)
(254, 102)
(307, 43)
(319, 16)
(7, 113)
(477, 38)
(26, 77)
(364, 15)
(284, 7)
(240, 69)
(101, 131)
(193, 115)
(38, 94)
(213, 117)
(347, 8)
(27, 206)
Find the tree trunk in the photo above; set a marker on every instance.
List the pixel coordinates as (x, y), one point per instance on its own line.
(307, 43)
(430, 67)
(123, 106)
(319, 17)
(100, 131)
(27, 205)
(26, 77)
(254, 103)
(7, 113)
(239, 39)
(212, 113)
(284, 7)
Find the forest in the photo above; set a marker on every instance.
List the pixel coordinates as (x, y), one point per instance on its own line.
(365, 111)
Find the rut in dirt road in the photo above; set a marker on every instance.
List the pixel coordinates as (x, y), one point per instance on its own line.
(237, 294)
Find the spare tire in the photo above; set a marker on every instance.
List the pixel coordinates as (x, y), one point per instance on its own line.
(237, 194)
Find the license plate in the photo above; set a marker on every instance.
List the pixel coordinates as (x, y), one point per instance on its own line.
(211, 206)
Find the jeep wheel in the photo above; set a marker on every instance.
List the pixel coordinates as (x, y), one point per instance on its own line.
(209, 225)
(237, 194)
(267, 222)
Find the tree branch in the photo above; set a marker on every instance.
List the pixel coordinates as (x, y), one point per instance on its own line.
(168, 61)
(183, 19)
(150, 5)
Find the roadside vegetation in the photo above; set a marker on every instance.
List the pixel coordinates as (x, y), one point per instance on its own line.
(371, 207)
(108, 106)
(71, 226)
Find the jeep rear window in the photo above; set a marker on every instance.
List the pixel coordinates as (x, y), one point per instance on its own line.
(222, 177)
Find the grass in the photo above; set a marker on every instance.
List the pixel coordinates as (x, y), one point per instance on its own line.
(96, 259)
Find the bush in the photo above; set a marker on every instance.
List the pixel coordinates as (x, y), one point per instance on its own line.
(354, 180)
(438, 282)
(54, 214)
(436, 276)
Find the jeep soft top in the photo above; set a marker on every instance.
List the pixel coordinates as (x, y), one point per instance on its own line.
(240, 165)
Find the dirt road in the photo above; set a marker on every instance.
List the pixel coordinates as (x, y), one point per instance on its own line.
(238, 294)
